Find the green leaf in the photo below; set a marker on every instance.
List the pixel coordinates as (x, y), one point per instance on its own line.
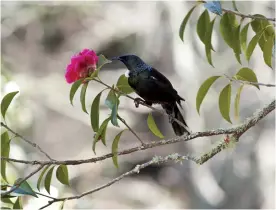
(224, 102)
(247, 74)
(40, 177)
(82, 97)
(123, 86)
(24, 188)
(115, 148)
(6, 101)
(62, 174)
(243, 36)
(5, 151)
(102, 61)
(100, 134)
(153, 127)
(252, 44)
(6, 200)
(203, 25)
(237, 102)
(234, 5)
(208, 42)
(48, 178)
(228, 28)
(204, 88)
(18, 204)
(267, 51)
(184, 23)
(237, 45)
(113, 102)
(94, 114)
(74, 89)
(62, 205)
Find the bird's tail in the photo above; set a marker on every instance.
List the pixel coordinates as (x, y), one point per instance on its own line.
(173, 110)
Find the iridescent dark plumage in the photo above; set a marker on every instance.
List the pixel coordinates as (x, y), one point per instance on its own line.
(154, 88)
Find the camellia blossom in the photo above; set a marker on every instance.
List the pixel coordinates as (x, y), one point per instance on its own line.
(81, 66)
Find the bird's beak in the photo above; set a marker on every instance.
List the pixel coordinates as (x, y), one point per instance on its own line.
(115, 58)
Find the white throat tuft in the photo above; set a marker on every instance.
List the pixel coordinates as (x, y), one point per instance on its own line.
(127, 73)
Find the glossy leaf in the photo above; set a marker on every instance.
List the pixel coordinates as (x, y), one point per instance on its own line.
(5, 152)
(243, 36)
(204, 88)
(115, 148)
(224, 102)
(24, 188)
(113, 102)
(267, 51)
(18, 204)
(237, 102)
(62, 205)
(214, 7)
(235, 5)
(95, 112)
(41, 176)
(247, 74)
(83, 96)
(123, 86)
(184, 23)
(100, 134)
(153, 127)
(237, 45)
(48, 179)
(228, 26)
(202, 26)
(74, 89)
(208, 42)
(62, 174)
(6, 101)
(102, 61)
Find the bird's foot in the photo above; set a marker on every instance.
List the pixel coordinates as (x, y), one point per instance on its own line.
(171, 118)
(138, 101)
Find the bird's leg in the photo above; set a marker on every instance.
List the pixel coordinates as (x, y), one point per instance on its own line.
(171, 118)
(138, 101)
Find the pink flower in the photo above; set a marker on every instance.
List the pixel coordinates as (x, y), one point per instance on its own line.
(81, 66)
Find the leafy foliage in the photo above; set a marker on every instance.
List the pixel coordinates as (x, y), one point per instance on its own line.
(5, 151)
(62, 174)
(224, 102)
(153, 127)
(115, 148)
(6, 101)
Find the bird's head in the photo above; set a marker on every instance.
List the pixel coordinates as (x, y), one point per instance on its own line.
(133, 63)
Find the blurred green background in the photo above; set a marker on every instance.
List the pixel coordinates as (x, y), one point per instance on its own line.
(37, 41)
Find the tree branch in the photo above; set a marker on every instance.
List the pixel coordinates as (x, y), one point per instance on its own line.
(248, 16)
(26, 140)
(156, 160)
(237, 131)
(249, 83)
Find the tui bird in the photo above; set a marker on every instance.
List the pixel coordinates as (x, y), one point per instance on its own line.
(154, 88)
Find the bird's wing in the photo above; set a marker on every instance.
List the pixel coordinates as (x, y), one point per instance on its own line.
(160, 78)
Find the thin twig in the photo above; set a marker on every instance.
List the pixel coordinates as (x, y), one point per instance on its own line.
(237, 130)
(26, 140)
(249, 83)
(156, 160)
(131, 130)
(16, 185)
(248, 16)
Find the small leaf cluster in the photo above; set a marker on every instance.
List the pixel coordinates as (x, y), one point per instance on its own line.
(234, 31)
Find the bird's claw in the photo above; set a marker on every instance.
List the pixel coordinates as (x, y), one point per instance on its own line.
(171, 118)
(138, 101)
